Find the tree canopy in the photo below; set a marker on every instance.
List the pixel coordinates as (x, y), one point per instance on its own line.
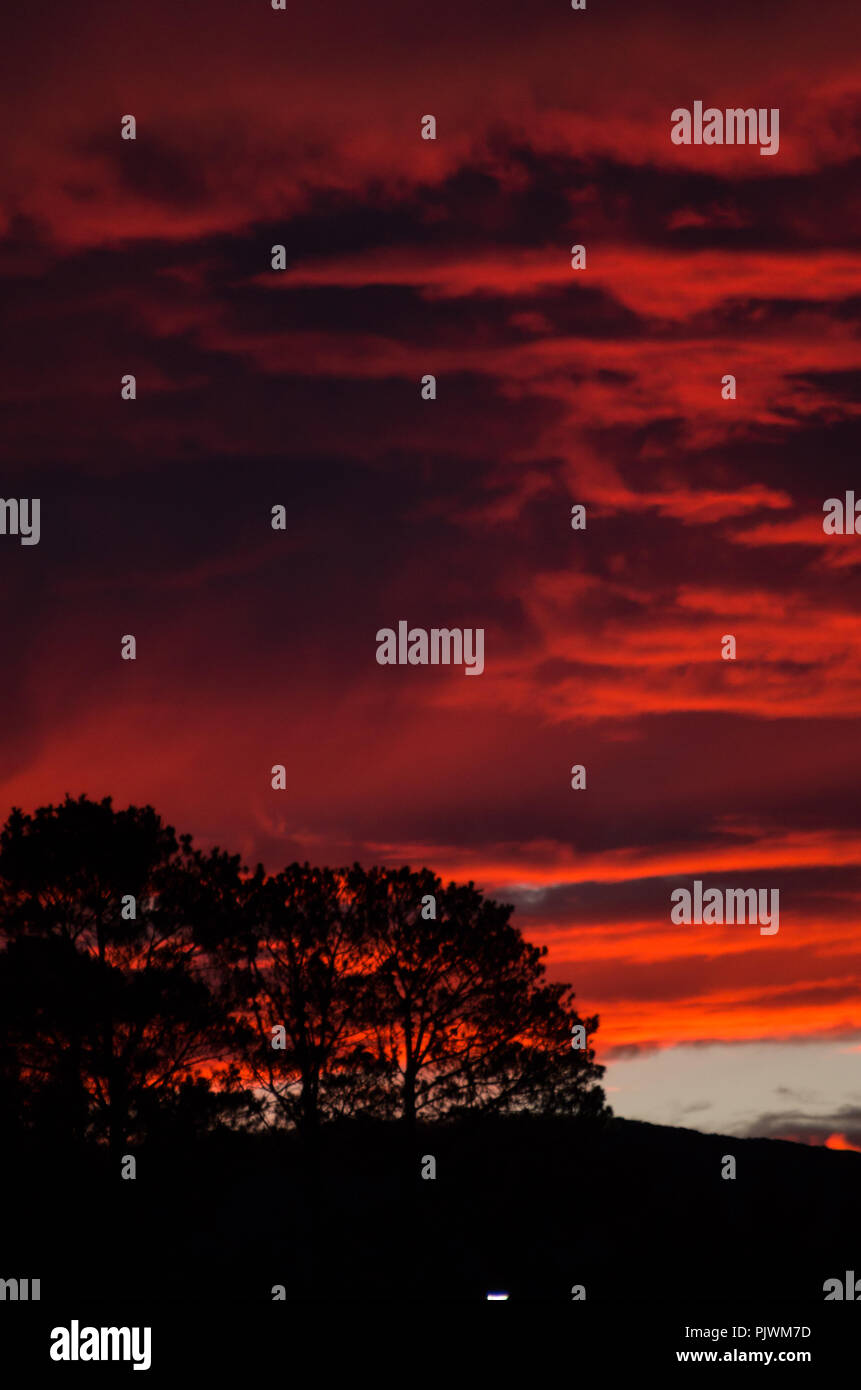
(146, 984)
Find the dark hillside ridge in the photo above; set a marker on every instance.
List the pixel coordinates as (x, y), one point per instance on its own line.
(531, 1205)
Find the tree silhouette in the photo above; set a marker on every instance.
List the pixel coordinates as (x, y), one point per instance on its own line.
(305, 969)
(121, 1021)
(136, 1021)
(48, 1026)
(460, 1011)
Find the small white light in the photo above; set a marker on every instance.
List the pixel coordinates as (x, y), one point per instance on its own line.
(494, 1297)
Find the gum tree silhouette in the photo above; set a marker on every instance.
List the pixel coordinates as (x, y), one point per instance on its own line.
(133, 1021)
(391, 1014)
(123, 1026)
(304, 970)
(461, 1014)
(48, 1025)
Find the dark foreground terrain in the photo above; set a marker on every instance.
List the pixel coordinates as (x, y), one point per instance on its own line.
(529, 1205)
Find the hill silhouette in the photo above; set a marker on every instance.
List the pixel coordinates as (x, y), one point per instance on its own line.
(529, 1204)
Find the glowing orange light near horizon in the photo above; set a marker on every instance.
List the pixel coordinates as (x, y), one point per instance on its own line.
(839, 1141)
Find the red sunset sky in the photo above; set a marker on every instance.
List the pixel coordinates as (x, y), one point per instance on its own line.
(602, 387)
